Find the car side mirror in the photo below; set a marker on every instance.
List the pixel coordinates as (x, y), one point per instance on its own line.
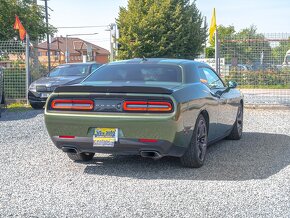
(232, 84)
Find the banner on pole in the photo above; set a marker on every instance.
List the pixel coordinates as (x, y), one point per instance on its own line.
(18, 26)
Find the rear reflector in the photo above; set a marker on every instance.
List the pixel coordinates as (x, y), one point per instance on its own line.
(70, 104)
(148, 140)
(66, 137)
(149, 106)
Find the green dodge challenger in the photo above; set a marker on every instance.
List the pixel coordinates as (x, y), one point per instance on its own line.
(148, 107)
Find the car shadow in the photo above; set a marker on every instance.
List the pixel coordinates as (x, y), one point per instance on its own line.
(255, 156)
(11, 115)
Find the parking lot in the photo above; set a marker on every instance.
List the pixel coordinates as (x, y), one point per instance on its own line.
(246, 178)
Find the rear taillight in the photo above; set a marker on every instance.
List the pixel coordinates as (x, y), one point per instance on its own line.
(72, 104)
(147, 106)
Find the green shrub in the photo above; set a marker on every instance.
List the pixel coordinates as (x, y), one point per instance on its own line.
(260, 79)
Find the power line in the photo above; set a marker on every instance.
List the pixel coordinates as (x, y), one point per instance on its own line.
(79, 27)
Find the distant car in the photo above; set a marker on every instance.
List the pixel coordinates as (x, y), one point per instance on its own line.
(148, 107)
(240, 67)
(64, 74)
(2, 98)
(257, 66)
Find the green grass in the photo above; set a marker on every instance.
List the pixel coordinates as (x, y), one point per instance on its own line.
(18, 106)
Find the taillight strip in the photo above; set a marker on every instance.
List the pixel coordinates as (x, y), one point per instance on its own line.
(72, 104)
(135, 106)
(159, 106)
(151, 106)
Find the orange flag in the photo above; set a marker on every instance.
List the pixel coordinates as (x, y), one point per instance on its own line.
(18, 26)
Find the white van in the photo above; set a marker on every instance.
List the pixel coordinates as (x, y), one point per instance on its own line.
(286, 62)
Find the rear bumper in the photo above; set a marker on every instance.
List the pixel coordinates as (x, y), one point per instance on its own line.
(168, 130)
(123, 146)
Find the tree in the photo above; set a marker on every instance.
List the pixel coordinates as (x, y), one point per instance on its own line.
(224, 32)
(243, 47)
(250, 47)
(279, 51)
(161, 28)
(30, 14)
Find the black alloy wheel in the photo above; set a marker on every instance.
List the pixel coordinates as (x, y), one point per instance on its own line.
(237, 131)
(195, 155)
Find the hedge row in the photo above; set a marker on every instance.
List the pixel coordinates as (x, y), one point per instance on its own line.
(258, 79)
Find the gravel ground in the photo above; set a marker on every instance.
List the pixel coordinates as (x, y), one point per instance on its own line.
(246, 178)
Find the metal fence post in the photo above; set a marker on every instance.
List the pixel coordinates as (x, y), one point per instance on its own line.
(27, 67)
(216, 53)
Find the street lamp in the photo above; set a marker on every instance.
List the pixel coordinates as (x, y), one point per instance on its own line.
(66, 46)
(110, 28)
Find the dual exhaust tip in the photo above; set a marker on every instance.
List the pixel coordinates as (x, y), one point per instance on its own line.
(69, 150)
(147, 154)
(151, 154)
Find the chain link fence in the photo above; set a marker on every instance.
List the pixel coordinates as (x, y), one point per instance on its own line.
(12, 61)
(260, 65)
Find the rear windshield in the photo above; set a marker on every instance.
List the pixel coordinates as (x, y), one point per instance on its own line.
(70, 70)
(137, 73)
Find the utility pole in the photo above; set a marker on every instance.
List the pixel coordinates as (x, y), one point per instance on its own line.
(47, 35)
(112, 41)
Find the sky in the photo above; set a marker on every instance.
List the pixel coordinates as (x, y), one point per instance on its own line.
(269, 16)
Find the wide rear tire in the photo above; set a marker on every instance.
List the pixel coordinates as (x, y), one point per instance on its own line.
(195, 155)
(237, 131)
(81, 156)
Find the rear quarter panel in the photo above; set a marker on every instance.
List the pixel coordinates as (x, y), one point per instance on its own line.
(194, 98)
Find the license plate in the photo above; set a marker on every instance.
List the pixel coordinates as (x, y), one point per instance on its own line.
(44, 95)
(105, 137)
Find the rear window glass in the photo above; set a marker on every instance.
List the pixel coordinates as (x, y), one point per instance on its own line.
(70, 70)
(137, 72)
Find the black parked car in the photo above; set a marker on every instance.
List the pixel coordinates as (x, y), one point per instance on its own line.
(65, 74)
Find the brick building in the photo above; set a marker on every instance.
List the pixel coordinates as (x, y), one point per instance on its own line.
(77, 48)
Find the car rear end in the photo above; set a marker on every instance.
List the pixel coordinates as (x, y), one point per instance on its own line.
(116, 122)
(125, 107)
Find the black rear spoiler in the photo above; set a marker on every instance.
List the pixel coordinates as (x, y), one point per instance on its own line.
(114, 89)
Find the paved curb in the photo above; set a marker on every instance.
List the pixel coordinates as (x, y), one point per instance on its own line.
(261, 106)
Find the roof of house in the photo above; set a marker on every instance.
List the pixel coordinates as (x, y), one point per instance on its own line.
(75, 45)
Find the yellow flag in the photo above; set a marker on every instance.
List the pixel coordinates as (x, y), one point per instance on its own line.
(212, 27)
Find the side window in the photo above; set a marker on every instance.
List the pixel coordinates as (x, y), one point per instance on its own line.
(213, 80)
(94, 67)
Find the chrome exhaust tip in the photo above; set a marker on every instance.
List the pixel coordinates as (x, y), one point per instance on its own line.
(151, 154)
(69, 150)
